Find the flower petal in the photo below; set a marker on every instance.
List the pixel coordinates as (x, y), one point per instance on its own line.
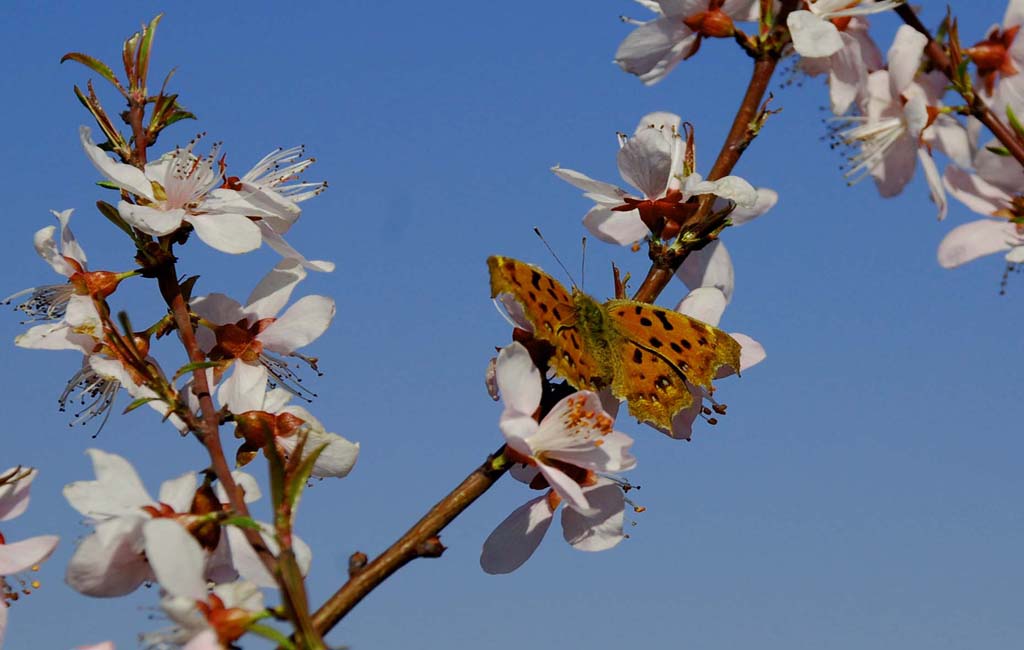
(645, 162)
(599, 191)
(299, 326)
(706, 304)
(176, 558)
(46, 245)
(149, 220)
(274, 290)
(110, 561)
(601, 530)
(812, 36)
(228, 233)
(516, 538)
(179, 492)
(622, 228)
(654, 48)
(904, 57)
(976, 239)
(126, 177)
(116, 491)
(18, 556)
(14, 496)
(519, 381)
(710, 266)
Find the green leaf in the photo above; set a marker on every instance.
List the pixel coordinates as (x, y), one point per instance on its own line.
(1014, 122)
(998, 150)
(274, 635)
(144, 49)
(190, 367)
(242, 522)
(139, 402)
(96, 65)
(302, 474)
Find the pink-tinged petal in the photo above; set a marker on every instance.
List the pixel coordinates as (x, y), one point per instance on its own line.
(116, 491)
(1001, 171)
(14, 497)
(599, 191)
(568, 489)
(682, 422)
(677, 8)
(337, 458)
(284, 249)
(299, 326)
(516, 538)
(976, 239)
(228, 233)
(46, 245)
(609, 402)
(18, 556)
(751, 352)
(3, 623)
(69, 246)
(733, 188)
(654, 48)
(847, 75)
(519, 381)
(1014, 13)
(81, 315)
(622, 228)
(602, 529)
(894, 171)
(667, 123)
(243, 390)
(974, 192)
(517, 427)
(706, 304)
(1016, 254)
(935, 189)
(176, 558)
(240, 594)
(904, 57)
(54, 336)
(812, 36)
(124, 176)
(512, 311)
(205, 640)
(765, 201)
(274, 290)
(645, 162)
(110, 562)
(250, 488)
(710, 266)
(217, 308)
(105, 645)
(179, 492)
(151, 220)
(565, 436)
(951, 138)
(915, 112)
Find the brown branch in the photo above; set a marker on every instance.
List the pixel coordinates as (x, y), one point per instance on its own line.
(975, 103)
(419, 541)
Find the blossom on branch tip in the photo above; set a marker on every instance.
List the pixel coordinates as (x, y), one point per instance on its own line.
(655, 161)
(232, 214)
(848, 67)
(567, 452)
(655, 47)
(255, 341)
(24, 555)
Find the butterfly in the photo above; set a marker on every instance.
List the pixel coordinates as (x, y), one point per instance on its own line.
(648, 355)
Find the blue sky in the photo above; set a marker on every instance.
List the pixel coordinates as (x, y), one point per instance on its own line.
(864, 489)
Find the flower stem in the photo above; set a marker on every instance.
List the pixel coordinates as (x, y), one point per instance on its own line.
(418, 541)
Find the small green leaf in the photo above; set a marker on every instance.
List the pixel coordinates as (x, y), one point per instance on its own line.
(242, 522)
(1014, 122)
(302, 474)
(998, 150)
(190, 367)
(96, 65)
(144, 49)
(139, 402)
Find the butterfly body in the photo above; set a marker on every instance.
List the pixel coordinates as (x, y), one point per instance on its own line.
(647, 355)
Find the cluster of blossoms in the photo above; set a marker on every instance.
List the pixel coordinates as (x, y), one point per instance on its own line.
(196, 540)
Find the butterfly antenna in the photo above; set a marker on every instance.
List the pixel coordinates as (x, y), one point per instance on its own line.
(583, 265)
(552, 251)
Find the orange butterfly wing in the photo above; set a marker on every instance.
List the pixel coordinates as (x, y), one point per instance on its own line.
(553, 314)
(659, 353)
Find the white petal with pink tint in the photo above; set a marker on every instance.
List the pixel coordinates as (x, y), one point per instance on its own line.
(14, 496)
(152, 221)
(645, 161)
(274, 290)
(517, 537)
(300, 325)
(21, 555)
(176, 558)
(706, 304)
(126, 177)
(812, 36)
(622, 228)
(116, 491)
(602, 529)
(518, 379)
(976, 239)
(710, 266)
(228, 233)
